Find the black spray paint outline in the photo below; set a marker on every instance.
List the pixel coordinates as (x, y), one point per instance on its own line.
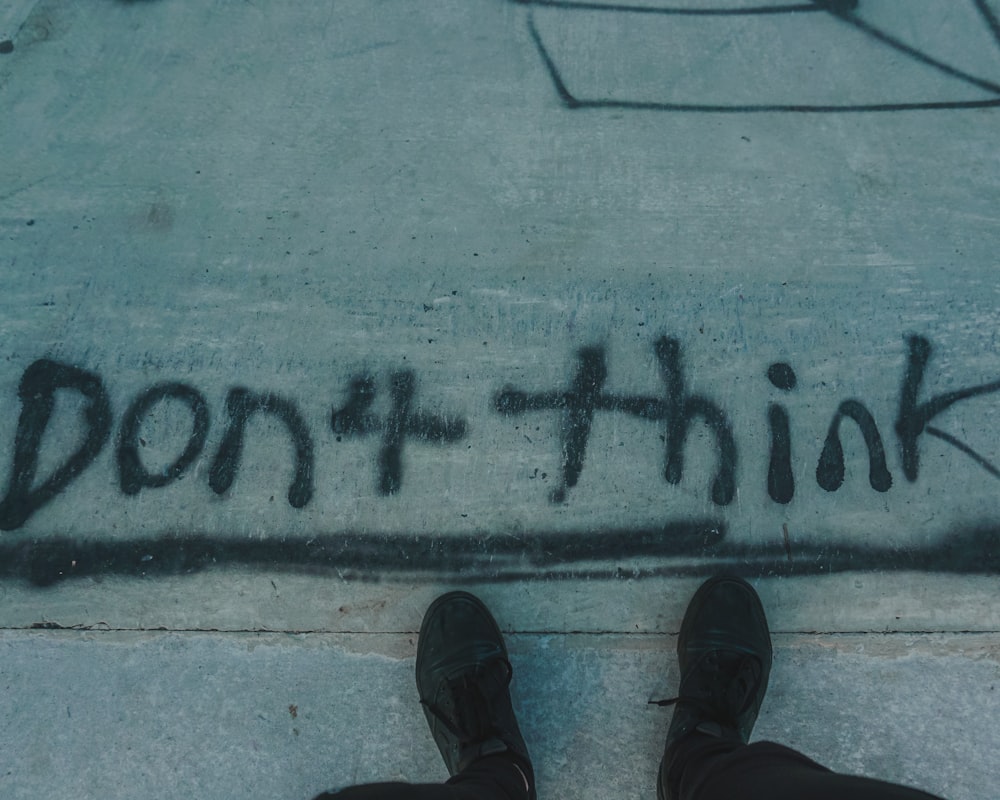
(694, 548)
(841, 9)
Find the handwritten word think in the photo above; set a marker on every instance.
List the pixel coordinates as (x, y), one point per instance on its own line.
(675, 409)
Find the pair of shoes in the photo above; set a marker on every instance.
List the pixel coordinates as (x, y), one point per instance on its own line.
(724, 652)
(463, 679)
(463, 676)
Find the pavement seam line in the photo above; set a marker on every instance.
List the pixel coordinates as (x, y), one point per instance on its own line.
(56, 628)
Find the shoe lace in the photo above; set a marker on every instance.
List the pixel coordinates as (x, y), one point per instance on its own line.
(724, 686)
(468, 710)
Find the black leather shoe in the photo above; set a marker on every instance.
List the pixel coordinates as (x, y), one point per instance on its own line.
(724, 651)
(463, 676)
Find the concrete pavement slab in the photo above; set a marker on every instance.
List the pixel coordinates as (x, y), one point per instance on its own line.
(168, 715)
(357, 293)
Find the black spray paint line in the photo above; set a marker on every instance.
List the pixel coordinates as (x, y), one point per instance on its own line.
(133, 476)
(241, 404)
(47, 561)
(913, 417)
(991, 19)
(629, 105)
(780, 477)
(830, 470)
(677, 410)
(837, 9)
(947, 437)
(567, 97)
(912, 52)
(682, 11)
(841, 9)
(682, 408)
(685, 549)
(37, 390)
(974, 551)
(355, 419)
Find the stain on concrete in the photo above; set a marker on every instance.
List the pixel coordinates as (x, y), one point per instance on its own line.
(160, 217)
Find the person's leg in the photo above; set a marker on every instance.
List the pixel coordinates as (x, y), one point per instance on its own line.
(463, 679)
(491, 778)
(717, 769)
(724, 651)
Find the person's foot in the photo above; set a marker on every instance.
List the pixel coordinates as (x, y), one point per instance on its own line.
(463, 676)
(724, 651)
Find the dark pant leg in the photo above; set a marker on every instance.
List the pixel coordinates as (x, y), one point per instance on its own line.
(491, 778)
(706, 768)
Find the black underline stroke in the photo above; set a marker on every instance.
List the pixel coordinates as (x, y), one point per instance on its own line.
(695, 548)
(947, 437)
(573, 102)
(582, 5)
(45, 561)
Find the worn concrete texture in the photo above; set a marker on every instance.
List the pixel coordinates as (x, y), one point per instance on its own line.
(167, 715)
(313, 311)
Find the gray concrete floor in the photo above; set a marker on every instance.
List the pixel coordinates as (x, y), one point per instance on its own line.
(171, 715)
(519, 297)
